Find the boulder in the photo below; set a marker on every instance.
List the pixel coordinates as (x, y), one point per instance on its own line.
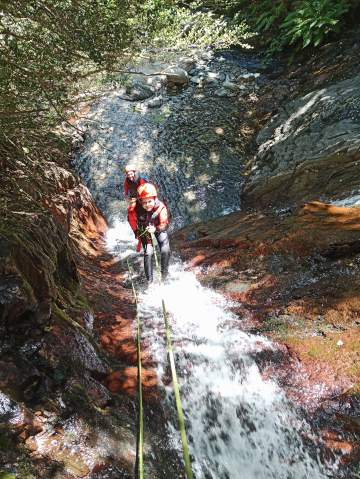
(224, 92)
(139, 90)
(177, 75)
(228, 84)
(187, 63)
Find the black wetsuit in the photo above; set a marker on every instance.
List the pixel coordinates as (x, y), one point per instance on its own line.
(145, 219)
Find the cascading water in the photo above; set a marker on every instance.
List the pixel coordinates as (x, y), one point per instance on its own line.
(239, 426)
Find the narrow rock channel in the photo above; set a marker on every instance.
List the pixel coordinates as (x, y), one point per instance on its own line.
(188, 142)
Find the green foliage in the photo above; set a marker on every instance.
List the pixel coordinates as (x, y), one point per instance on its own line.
(273, 12)
(47, 47)
(262, 14)
(51, 47)
(313, 20)
(302, 23)
(181, 27)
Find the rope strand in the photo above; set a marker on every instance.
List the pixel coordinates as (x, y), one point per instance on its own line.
(169, 348)
(140, 438)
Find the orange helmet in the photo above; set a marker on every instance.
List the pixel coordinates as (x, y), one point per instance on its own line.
(130, 167)
(147, 190)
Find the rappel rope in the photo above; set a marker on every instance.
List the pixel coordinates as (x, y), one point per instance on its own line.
(179, 408)
(139, 473)
(140, 440)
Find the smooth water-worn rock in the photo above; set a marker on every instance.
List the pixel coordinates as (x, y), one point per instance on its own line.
(310, 149)
(176, 75)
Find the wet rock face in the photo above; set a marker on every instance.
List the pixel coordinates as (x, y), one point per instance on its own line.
(32, 261)
(310, 149)
(15, 297)
(294, 277)
(36, 255)
(47, 358)
(60, 418)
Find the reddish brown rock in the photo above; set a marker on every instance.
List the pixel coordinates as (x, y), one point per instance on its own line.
(296, 278)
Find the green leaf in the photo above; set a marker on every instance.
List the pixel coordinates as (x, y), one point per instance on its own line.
(306, 42)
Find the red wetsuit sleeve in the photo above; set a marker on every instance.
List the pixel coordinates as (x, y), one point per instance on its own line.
(132, 219)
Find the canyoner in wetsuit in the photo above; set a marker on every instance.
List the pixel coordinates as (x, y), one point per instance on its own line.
(151, 215)
(132, 181)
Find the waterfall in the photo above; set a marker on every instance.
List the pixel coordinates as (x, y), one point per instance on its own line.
(238, 424)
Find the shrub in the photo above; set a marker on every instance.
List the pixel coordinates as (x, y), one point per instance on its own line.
(313, 20)
(180, 27)
(300, 23)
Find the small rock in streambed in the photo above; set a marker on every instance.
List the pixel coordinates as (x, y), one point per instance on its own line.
(223, 92)
(155, 102)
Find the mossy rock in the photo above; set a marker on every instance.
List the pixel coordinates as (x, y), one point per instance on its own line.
(7, 475)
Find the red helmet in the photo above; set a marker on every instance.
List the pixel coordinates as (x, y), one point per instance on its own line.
(147, 190)
(130, 167)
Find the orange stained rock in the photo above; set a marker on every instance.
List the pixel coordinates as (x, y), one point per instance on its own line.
(127, 349)
(198, 259)
(224, 263)
(108, 262)
(119, 318)
(105, 339)
(332, 441)
(82, 111)
(126, 381)
(334, 216)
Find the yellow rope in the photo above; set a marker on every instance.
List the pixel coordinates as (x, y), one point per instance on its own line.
(140, 439)
(179, 408)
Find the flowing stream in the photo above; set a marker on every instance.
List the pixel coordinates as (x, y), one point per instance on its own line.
(238, 424)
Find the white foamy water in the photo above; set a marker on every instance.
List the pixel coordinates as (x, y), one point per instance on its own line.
(238, 425)
(353, 200)
(120, 239)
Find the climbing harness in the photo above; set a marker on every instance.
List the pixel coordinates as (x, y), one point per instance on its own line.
(140, 439)
(179, 408)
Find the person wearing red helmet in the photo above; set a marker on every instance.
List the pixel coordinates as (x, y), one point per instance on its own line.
(131, 183)
(151, 215)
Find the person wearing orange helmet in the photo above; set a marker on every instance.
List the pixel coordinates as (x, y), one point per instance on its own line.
(151, 215)
(131, 183)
